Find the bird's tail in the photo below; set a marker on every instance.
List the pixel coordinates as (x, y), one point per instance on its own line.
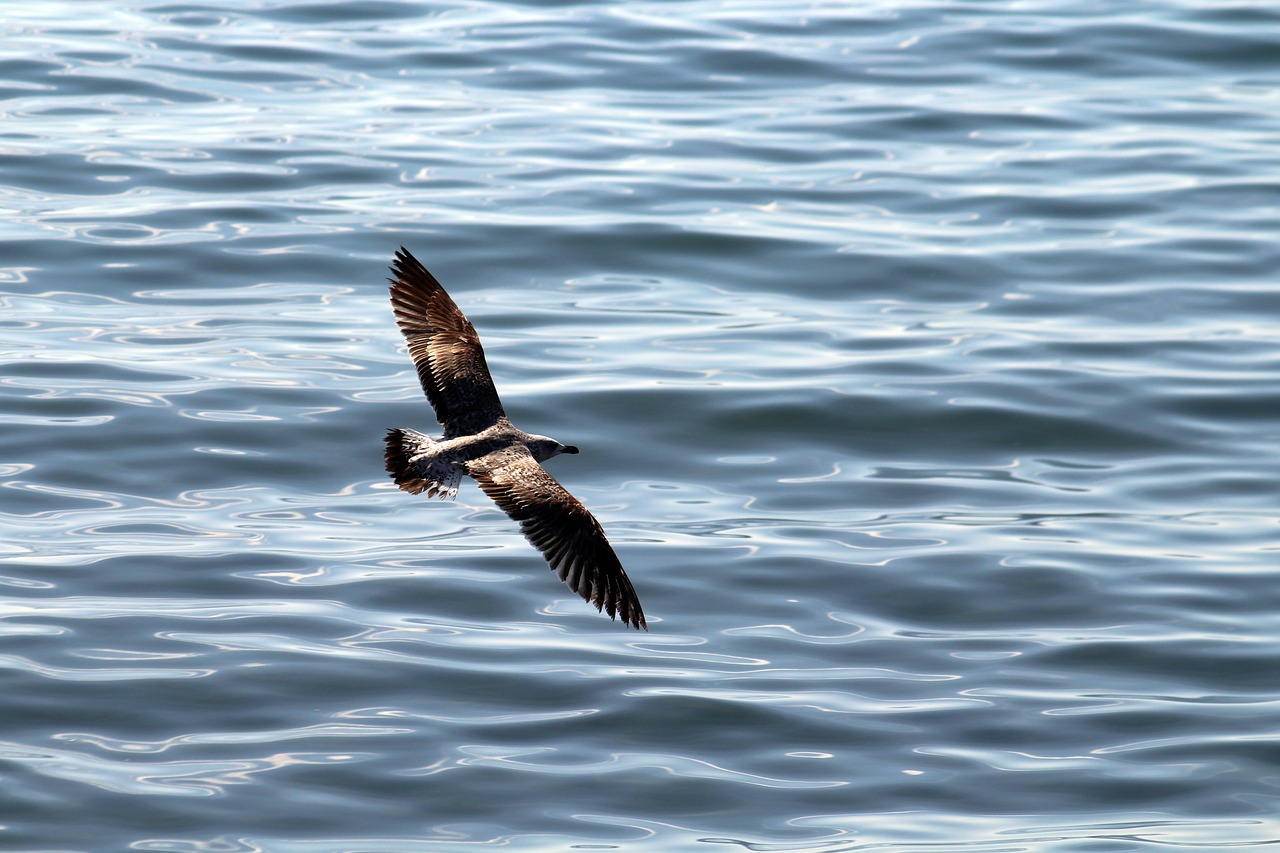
(414, 466)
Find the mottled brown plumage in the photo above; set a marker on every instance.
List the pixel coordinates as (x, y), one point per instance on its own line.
(445, 349)
(480, 441)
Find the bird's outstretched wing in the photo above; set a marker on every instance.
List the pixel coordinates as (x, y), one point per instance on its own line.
(559, 526)
(445, 349)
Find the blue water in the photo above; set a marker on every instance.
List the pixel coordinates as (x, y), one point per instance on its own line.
(924, 359)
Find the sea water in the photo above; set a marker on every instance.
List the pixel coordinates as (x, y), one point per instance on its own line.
(922, 355)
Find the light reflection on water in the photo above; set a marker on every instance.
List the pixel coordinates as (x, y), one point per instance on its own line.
(919, 357)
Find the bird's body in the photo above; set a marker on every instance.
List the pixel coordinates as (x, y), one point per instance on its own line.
(481, 442)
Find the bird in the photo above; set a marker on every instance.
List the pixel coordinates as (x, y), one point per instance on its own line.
(479, 441)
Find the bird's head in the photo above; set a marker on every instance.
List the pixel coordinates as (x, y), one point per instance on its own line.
(544, 448)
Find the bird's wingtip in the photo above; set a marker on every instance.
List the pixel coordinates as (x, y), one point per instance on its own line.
(634, 619)
(408, 268)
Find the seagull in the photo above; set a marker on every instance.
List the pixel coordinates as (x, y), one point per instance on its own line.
(479, 441)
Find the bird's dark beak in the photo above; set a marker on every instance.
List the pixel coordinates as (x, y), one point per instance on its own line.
(569, 448)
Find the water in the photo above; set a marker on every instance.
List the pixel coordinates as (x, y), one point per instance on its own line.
(923, 358)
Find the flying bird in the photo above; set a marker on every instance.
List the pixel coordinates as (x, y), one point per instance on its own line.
(481, 442)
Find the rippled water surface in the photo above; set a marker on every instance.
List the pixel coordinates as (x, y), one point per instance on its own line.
(923, 357)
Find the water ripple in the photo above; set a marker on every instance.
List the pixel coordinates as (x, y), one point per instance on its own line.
(168, 778)
(919, 355)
